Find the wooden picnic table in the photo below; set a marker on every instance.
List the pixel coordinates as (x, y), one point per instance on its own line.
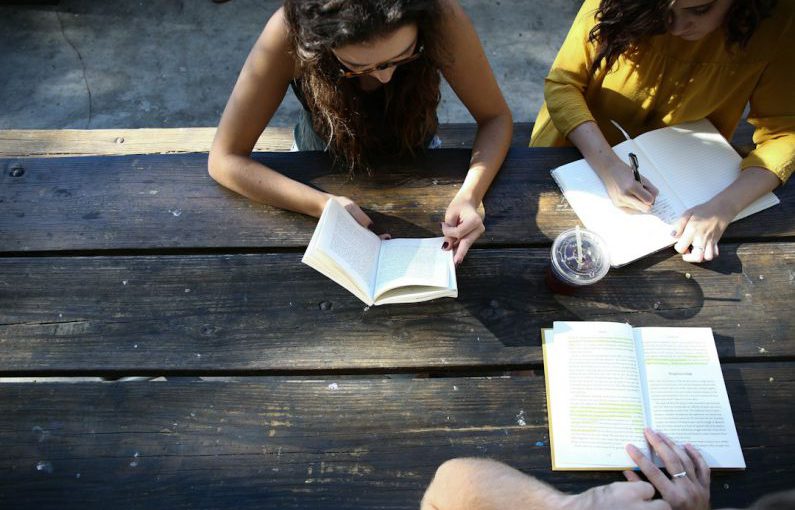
(275, 387)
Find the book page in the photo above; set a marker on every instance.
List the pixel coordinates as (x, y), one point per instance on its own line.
(352, 247)
(594, 395)
(413, 262)
(697, 162)
(686, 393)
(628, 234)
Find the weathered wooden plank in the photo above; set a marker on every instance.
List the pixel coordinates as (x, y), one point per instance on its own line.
(331, 443)
(216, 313)
(43, 143)
(169, 201)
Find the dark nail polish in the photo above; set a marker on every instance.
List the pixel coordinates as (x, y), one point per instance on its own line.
(445, 245)
(673, 233)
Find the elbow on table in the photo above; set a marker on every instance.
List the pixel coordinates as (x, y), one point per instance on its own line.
(216, 163)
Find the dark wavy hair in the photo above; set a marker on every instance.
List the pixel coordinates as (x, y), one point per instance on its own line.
(355, 135)
(623, 24)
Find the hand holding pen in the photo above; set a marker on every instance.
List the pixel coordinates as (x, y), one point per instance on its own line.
(628, 189)
(637, 193)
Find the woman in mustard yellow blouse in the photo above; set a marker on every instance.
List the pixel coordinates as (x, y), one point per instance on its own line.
(651, 63)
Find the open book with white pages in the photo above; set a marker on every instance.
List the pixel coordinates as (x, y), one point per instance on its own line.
(379, 271)
(606, 381)
(689, 163)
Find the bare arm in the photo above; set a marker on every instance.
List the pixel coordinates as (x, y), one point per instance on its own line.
(258, 92)
(471, 78)
(616, 175)
(483, 484)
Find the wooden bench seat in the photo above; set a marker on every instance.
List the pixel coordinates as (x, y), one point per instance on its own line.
(109, 142)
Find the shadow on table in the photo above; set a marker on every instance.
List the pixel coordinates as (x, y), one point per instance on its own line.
(509, 297)
(504, 289)
(514, 310)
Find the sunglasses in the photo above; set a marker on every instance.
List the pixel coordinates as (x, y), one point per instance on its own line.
(347, 73)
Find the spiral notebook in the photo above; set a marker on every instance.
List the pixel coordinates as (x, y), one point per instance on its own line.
(689, 163)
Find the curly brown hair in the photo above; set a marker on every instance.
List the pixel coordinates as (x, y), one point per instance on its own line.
(623, 24)
(355, 135)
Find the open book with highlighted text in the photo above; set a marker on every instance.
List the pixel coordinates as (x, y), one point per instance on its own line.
(607, 381)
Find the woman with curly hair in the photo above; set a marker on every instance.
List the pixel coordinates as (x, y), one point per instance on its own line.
(652, 63)
(367, 73)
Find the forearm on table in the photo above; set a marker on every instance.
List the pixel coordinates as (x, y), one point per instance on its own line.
(483, 484)
(588, 138)
(488, 152)
(257, 182)
(752, 183)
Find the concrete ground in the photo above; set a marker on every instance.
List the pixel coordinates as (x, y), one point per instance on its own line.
(169, 63)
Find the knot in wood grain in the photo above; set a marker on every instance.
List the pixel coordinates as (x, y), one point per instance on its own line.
(208, 330)
(325, 305)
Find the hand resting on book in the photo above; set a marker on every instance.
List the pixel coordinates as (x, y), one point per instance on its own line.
(683, 492)
(461, 228)
(463, 224)
(701, 227)
(359, 215)
(699, 230)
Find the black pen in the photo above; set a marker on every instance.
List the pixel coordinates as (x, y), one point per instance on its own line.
(634, 159)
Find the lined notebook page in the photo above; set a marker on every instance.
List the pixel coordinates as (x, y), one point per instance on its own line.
(697, 162)
(629, 234)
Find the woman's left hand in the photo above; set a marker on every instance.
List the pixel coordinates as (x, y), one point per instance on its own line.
(461, 228)
(699, 230)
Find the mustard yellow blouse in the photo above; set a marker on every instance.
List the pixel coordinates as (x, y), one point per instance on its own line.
(672, 81)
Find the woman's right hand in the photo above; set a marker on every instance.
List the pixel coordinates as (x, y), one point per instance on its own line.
(355, 211)
(359, 215)
(625, 191)
(616, 174)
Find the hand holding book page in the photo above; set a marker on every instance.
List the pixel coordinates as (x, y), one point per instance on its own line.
(689, 164)
(379, 271)
(607, 381)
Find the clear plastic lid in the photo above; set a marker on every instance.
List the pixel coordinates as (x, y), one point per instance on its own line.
(581, 265)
